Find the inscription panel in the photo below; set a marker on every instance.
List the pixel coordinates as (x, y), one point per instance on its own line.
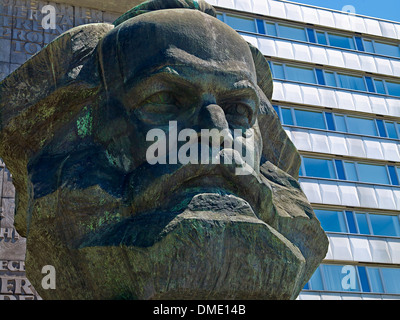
(22, 34)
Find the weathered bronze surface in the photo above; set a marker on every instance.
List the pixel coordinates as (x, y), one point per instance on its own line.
(74, 120)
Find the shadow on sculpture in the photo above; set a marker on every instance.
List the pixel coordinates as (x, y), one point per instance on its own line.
(75, 120)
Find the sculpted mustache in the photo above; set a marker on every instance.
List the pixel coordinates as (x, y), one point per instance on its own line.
(162, 187)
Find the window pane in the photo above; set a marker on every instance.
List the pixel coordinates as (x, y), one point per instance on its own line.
(350, 222)
(362, 223)
(370, 84)
(287, 116)
(387, 49)
(364, 279)
(351, 82)
(391, 129)
(374, 279)
(381, 128)
(278, 71)
(372, 173)
(293, 33)
(321, 37)
(320, 168)
(361, 126)
(320, 77)
(240, 23)
(333, 277)
(330, 79)
(340, 169)
(340, 123)
(337, 40)
(380, 88)
(391, 279)
(383, 225)
(260, 26)
(271, 29)
(316, 280)
(311, 35)
(393, 175)
(300, 74)
(309, 119)
(359, 43)
(329, 121)
(351, 173)
(331, 220)
(369, 46)
(393, 88)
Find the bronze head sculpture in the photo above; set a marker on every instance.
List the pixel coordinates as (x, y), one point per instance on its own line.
(75, 124)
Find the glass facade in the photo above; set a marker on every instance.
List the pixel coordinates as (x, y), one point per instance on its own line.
(293, 31)
(364, 256)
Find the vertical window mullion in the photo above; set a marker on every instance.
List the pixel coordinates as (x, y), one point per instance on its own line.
(382, 281)
(384, 85)
(293, 116)
(371, 230)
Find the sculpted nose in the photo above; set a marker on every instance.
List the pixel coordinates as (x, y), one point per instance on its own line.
(212, 117)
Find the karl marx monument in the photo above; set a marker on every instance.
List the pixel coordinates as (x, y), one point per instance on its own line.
(118, 189)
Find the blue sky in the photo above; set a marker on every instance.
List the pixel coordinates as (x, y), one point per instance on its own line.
(384, 9)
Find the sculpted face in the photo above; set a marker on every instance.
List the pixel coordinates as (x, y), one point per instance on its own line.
(198, 78)
(162, 172)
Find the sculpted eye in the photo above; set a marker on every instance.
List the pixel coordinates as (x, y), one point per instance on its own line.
(159, 108)
(162, 98)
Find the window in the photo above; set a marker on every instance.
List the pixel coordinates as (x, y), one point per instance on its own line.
(362, 223)
(375, 279)
(351, 172)
(241, 23)
(393, 88)
(310, 119)
(391, 130)
(369, 47)
(385, 225)
(287, 116)
(387, 49)
(311, 35)
(329, 277)
(347, 81)
(329, 121)
(361, 126)
(341, 41)
(260, 26)
(379, 86)
(300, 74)
(331, 220)
(359, 44)
(321, 38)
(370, 84)
(340, 123)
(319, 168)
(271, 29)
(372, 173)
(391, 280)
(293, 33)
(330, 79)
(381, 128)
(278, 70)
(359, 222)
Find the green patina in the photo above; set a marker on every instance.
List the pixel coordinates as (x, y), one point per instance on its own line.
(85, 123)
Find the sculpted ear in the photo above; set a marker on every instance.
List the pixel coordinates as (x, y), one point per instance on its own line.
(277, 147)
(42, 96)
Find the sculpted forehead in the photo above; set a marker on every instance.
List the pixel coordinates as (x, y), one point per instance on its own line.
(176, 36)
